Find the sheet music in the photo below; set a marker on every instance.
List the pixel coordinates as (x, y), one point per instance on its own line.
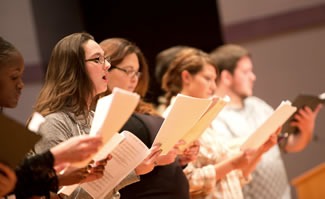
(67, 190)
(108, 147)
(126, 157)
(184, 113)
(198, 129)
(111, 114)
(277, 119)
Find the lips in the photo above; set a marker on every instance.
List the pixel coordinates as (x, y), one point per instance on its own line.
(131, 88)
(104, 78)
(17, 97)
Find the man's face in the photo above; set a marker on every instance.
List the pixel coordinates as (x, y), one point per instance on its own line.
(243, 78)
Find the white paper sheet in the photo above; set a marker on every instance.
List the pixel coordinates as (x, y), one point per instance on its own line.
(108, 147)
(196, 131)
(67, 190)
(126, 157)
(111, 114)
(277, 119)
(184, 113)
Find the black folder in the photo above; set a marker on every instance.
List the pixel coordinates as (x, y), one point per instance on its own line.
(15, 141)
(300, 102)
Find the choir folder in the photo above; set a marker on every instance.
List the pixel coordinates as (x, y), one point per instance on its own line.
(15, 141)
(300, 102)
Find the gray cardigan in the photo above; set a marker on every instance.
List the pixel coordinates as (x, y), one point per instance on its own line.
(61, 126)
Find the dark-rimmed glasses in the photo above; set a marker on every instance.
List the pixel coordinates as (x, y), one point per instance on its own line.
(130, 73)
(100, 59)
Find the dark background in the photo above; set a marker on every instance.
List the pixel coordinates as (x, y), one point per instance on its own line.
(152, 25)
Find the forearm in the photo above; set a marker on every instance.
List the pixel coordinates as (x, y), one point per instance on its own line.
(305, 122)
(252, 165)
(298, 142)
(223, 168)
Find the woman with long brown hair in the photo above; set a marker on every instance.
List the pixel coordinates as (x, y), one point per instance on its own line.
(129, 71)
(35, 175)
(76, 74)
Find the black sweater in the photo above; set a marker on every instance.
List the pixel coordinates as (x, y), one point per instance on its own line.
(164, 181)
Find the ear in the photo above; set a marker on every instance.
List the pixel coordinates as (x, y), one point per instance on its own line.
(226, 78)
(186, 77)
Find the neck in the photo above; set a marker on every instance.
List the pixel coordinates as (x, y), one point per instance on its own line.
(89, 102)
(235, 100)
(184, 92)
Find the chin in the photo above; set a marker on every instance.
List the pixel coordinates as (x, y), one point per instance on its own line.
(102, 90)
(244, 96)
(131, 89)
(12, 105)
(247, 94)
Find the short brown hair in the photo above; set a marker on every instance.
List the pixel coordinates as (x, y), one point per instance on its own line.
(227, 56)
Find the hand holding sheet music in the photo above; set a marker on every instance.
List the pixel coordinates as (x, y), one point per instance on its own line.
(301, 101)
(111, 113)
(131, 154)
(278, 117)
(185, 112)
(128, 155)
(210, 114)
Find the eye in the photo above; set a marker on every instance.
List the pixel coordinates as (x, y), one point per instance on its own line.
(207, 78)
(96, 59)
(14, 77)
(130, 72)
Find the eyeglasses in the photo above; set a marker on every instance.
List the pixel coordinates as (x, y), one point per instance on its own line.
(100, 59)
(130, 73)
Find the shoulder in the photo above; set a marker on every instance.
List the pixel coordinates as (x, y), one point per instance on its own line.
(54, 130)
(258, 103)
(133, 122)
(254, 100)
(143, 126)
(149, 120)
(138, 128)
(58, 116)
(57, 123)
